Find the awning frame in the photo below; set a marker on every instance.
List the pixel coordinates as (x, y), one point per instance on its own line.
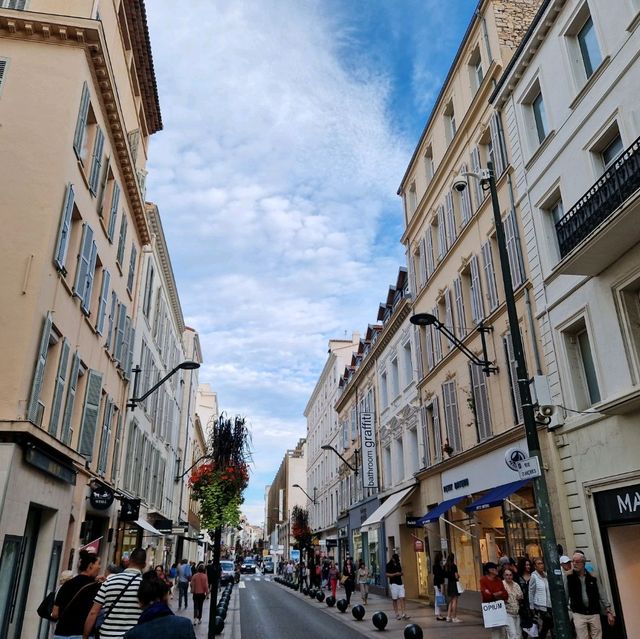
(145, 525)
(386, 508)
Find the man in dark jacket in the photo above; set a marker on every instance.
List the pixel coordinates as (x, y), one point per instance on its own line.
(585, 601)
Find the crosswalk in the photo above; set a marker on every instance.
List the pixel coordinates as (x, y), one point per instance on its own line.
(257, 577)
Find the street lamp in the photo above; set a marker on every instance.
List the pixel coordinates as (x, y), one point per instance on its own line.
(562, 629)
(426, 319)
(134, 401)
(312, 499)
(355, 452)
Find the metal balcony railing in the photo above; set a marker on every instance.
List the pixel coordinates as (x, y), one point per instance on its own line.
(619, 182)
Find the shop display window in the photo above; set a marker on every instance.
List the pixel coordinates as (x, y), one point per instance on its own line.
(373, 550)
(461, 544)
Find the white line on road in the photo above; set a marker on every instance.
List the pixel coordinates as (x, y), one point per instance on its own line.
(242, 585)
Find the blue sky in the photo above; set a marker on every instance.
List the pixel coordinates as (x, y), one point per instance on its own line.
(288, 125)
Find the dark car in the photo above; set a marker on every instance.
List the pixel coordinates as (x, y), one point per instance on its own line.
(227, 572)
(248, 566)
(267, 567)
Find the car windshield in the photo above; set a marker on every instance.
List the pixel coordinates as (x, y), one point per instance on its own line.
(249, 561)
(226, 565)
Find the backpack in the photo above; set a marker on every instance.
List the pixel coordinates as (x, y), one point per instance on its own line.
(46, 606)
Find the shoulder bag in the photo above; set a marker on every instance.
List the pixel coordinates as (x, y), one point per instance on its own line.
(105, 612)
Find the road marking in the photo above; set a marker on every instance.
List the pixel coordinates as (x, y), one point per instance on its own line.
(242, 585)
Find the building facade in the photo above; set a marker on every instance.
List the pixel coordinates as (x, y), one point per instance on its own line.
(74, 230)
(569, 104)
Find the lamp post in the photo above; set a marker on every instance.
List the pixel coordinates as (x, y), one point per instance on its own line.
(311, 499)
(562, 628)
(134, 401)
(355, 452)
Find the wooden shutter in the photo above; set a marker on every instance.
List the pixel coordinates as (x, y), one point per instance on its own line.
(58, 391)
(122, 239)
(120, 332)
(448, 315)
(442, 233)
(465, 198)
(112, 319)
(38, 374)
(128, 356)
(84, 258)
(96, 162)
(480, 401)
(105, 437)
(431, 267)
(497, 143)
(489, 275)
(461, 328)
(449, 392)
(422, 263)
(115, 463)
(132, 268)
(113, 214)
(475, 167)
(103, 186)
(64, 231)
(477, 306)
(4, 64)
(81, 122)
(71, 398)
(516, 401)
(437, 343)
(104, 300)
(424, 421)
(452, 231)
(90, 414)
(437, 431)
(88, 286)
(513, 249)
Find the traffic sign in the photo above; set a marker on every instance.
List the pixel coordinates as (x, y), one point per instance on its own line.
(529, 468)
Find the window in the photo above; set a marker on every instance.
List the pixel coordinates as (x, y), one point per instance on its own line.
(490, 275)
(475, 69)
(516, 401)
(18, 5)
(537, 107)
(86, 133)
(90, 413)
(38, 374)
(556, 210)
(412, 199)
(132, 269)
(480, 399)
(612, 151)
(429, 166)
(498, 148)
(4, 65)
(96, 162)
(449, 122)
(384, 397)
(85, 271)
(395, 382)
(103, 301)
(451, 419)
(148, 291)
(122, 239)
(589, 49)
(408, 363)
(429, 261)
(113, 210)
(581, 365)
(64, 231)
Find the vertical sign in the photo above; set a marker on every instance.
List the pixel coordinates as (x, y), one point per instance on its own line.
(369, 458)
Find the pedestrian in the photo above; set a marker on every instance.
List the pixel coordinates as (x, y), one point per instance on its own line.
(74, 599)
(324, 584)
(184, 574)
(173, 575)
(304, 575)
(394, 575)
(156, 619)
(523, 577)
(438, 583)
(514, 601)
(585, 601)
(348, 579)
(540, 598)
(492, 589)
(333, 574)
(199, 590)
(362, 576)
(452, 577)
(119, 596)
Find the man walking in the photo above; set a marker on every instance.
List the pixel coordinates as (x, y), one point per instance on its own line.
(585, 601)
(394, 575)
(119, 595)
(184, 577)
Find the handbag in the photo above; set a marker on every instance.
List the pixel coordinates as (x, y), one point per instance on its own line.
(460, 587)
(344, 579)
(45, 609)
(494, 614)
(441, 600)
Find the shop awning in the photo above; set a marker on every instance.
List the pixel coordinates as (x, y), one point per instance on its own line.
(435, 513)
(145, 525)
(386, 508)
(496, 496)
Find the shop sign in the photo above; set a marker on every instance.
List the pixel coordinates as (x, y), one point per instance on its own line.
(444, 544)
(529, 468)
(412, 522)
(101, 496)
(418, 545)
(368, 449)
(513, 456)
(41, 460)
(621, 504)
(331, 543)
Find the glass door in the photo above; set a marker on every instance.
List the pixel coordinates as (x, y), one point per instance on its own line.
(52, 578)
(9, 561)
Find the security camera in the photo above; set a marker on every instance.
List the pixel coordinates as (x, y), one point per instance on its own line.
(460, 183)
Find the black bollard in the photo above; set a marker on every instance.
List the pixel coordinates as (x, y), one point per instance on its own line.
(358, 612)
(330, 601)
(342, 605)
(413, 631)
(320, 596)
(219, 627)
(380, 620)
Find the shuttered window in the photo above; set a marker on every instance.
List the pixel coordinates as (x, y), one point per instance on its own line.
(480, 402)
(498, 145)
(428, 341)
(460, 326)
(424, 421)
(514, 249)
(81, 122)
(96, 161)
(477, 306)
(83, 286)
(452, 231)
(58, 391)
(122, 239)
(148, 290)
(490, 275)
(38, 374)
(129, 359)
(437, 343)
(412, 275)
(418, 352)
(448, 315)
(465, 199)
(67, 431)
(4, 65)
(429, 260)
(64, 232)
(443, 247)
(129, 454)
(437, 430)
(90, 414)
(132, 268)
(120, 332)
(113, 216)
(125, 342)
(516, 401)
(112, 320)
(422, 264)
(475, 167)
(104, 301)
(105, 436)
(451, 419)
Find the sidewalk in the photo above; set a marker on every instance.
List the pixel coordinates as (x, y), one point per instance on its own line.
(231, 624)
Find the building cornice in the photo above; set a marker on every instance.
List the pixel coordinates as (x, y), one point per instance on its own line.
(87, 35)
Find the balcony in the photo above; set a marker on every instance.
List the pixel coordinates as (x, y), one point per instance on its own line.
(602, 225)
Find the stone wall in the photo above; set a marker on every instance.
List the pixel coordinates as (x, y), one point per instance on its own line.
(513, 18)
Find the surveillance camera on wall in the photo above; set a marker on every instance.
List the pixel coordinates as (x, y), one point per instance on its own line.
(460, 183)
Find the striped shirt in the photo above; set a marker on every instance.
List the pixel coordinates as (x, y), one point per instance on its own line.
(127, 611)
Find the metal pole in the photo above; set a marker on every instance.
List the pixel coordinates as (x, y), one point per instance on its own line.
(562, 629)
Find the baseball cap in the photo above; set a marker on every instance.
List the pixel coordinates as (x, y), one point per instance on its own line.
(564, 559)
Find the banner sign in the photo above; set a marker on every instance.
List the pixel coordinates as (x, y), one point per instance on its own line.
(369, 457)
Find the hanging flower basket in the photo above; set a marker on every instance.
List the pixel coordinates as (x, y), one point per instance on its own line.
(230, 480)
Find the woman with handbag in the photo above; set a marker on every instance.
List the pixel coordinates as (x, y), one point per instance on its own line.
(334, 573)
(492, 589)
(348, 579)
(453, 591)
(363, 581)
(75, 598)
(438, 583)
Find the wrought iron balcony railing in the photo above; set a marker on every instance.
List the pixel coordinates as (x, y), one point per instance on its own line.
(619, 182)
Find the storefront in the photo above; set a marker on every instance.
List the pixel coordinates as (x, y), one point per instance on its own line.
(360, 547)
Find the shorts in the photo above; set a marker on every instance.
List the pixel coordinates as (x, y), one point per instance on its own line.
(397, 591)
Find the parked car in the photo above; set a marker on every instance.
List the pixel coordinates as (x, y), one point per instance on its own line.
(227, 572)
(248, 565)
(267, 566)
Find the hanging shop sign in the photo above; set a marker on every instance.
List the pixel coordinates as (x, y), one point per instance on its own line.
(412, 522)
(368, 448)
(101, 496)
(418, 545)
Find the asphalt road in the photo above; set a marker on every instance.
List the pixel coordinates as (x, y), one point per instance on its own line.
(269, 611)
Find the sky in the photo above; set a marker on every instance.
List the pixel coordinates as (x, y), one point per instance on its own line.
(288, 125)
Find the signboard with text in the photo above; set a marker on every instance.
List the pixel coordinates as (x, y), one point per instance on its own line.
(529, 468)
(368, 449)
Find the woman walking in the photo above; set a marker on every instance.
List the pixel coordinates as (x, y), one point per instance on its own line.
(525, 566)
(514, 600)
(452, 577)
(438, 583)
(348, 578)
(199, 589)
(540, 597)
(334, 573)
(363, 581)
(492, 589)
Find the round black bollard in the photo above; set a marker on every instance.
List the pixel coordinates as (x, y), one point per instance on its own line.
(342, 605)
(219, 627)
(320, 596)
(413, 631)
(380, 620)
(222, 613)
(312, 593)
(358, 612)
(305, 591)
(330, 601)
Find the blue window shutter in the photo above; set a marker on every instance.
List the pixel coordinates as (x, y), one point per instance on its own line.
(113, 211)
(88, 285)
(129, 355)
(122, 240)
(81, 123)
(132, 268)
(38, 375)
(112, 319)
(84, 258)
(477, 304)
(64, 231)
(96, 162)
(71, 398)
(105, 437)
(104, 300)
(90, 414)
(58, 392)
(120, 333)
(103, 186)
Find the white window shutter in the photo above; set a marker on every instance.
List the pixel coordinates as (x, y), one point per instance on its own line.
(428, 341)
(431, 267)
(122, 239)
(452, 421)
(465, 198)
(461, 328)
(90, 414)
(514, 249)
(497, 142)
(96, 161)
(104, 301)
(489, 275)
(442, 233)
(88, 286)
(437, 431)
(448, 315)
(452, 231)
(38, 374)
(513, 378)
(64, 231)
(437, 343)
(480, 401)
(477, 306)
(412, 276)
(81, 122)
(71, 398)
(113, 214)
(475, 167)
(422, 263)
(58, 391)
(424, 421)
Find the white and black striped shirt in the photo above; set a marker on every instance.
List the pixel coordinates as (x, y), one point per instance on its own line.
(127, 611)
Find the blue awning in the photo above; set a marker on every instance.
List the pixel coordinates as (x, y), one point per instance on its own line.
(440, 509)
(496, 496)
